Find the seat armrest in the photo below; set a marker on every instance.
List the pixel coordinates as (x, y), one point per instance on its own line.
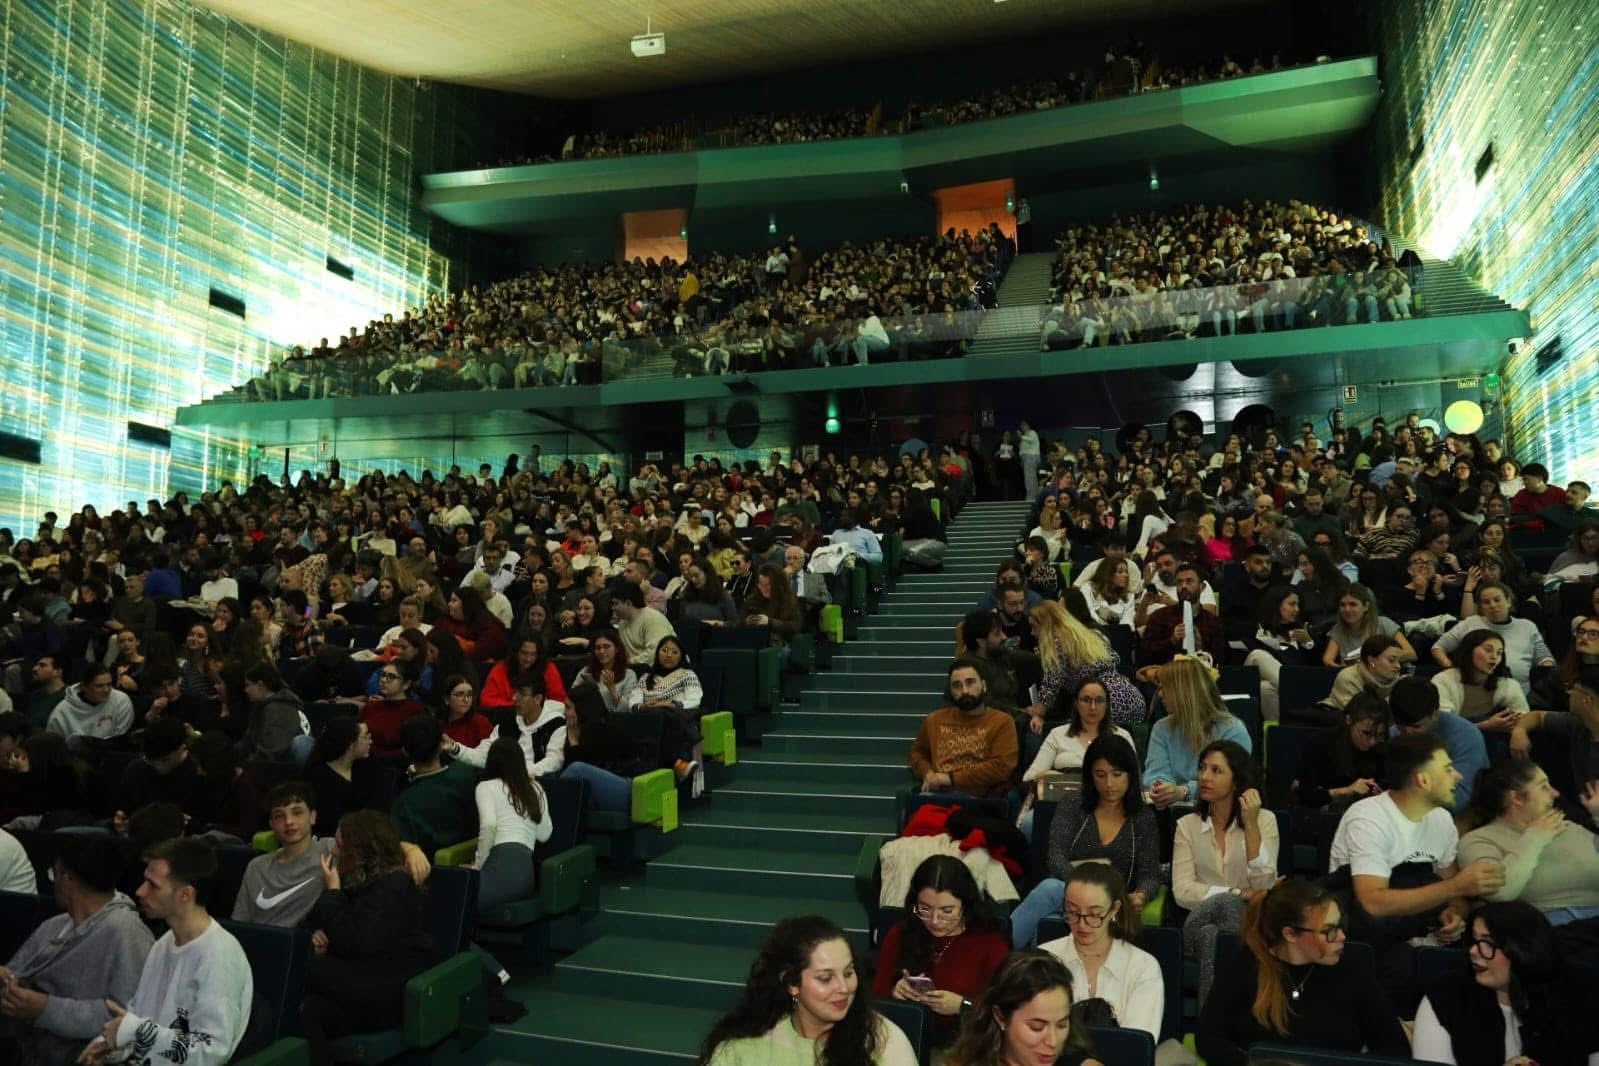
(563, 879)
(456, 854)
(443, 999)
(655, 799)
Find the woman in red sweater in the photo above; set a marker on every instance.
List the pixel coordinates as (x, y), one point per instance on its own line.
(497, 689)
(480, 634)
(387, 711)
(947, 948)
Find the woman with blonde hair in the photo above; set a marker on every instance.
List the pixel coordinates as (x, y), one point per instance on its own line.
(1069, 652)
(1293, 985)
(1195, 716)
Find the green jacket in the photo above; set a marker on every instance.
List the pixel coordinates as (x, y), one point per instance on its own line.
(438, 809)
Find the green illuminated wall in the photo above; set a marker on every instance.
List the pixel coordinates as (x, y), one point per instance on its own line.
(1523, 76)
(149, 152)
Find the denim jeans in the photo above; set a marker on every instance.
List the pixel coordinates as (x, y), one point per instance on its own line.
(1048, 898)
(607, 791)
(1567, 915)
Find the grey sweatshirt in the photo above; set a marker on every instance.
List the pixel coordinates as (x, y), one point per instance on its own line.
(80, 967)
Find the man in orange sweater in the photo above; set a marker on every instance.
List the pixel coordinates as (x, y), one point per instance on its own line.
(969, 748)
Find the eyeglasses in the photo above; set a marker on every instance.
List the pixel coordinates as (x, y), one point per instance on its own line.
(389, 675)
(1482, 947)
(938, 914)
(1329, 933)
(1585, 631)
(1091, 919)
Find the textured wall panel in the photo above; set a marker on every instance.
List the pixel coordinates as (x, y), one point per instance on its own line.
(1459, 75)
(150, 151)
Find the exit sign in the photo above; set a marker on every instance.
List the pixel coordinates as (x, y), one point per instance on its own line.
(1468, 383)
(1351, 394)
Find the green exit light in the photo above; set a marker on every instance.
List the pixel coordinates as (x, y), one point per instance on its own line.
(1490, 381)
(832, 424)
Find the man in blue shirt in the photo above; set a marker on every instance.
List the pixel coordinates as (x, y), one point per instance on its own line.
(862, 541)
(1414, 703)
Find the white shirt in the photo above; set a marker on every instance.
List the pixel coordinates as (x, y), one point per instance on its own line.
(192, 1004)
(501, 579)
(1135, 580)
(1063, 752)
(1374, 836)
(16, 872)
(1129, 980)
(554, 750)
(1199, 870)
(1432, 1042)
(220, 589)
(498, 822)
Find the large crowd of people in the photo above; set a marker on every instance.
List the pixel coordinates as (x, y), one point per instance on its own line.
(885, 299)
(476, 635)
(1123, 70)
(1216, 269)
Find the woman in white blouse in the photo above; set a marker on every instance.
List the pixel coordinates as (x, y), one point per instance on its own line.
(1099, 950)
(512, 818)
(1064, 746)
(1215, 874)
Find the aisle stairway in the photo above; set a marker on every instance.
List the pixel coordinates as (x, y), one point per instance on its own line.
(671, 948)
(1023, 298)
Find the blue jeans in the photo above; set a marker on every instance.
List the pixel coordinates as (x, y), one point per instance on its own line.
(1567, 915)
(607, 791)
(1046, 899)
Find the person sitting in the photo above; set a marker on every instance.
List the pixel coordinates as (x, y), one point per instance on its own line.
(1110, 596)
(773, 605)
(1069, 651)
(332, 769)
(92, 710)
(968, 748)
(1358, 621)
(1281, 639)
(1339, 765)
(1292, 985)
(481, 636)
(641, 628)
(1397, 853)
(1224, 854)
(1575, 737)
(1006, 672)
(670, 688)
(54, 785)
(1098, 949)
(1166, 631)
(1478, 685)
(369, 936)
(1523, 643)
(53, 990)
(704, 599)
(599, 750)
(946, 949)
(1110, 823)
(1375, 672)
(1025, 1015)
(226, 801)
(1549, 862)
(1008, 576)
(1241, 589)
(163, 774)
(385, 714)
(607, 672)
(1423, 595)
(434, 810)
(801, 1004)
(1520, 1001)
(462, 719)
(536, 723)
(1195, 716)
(528, 658)
(513, 817)
(1065, 746)
(193, 1000)
(277, 715)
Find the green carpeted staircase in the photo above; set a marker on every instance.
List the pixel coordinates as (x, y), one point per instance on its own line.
(670, 948)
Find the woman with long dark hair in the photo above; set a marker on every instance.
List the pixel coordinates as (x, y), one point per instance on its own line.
(607, 671)
(801, 1004)
(513, 817)
(1549, 862)
(1282, 639)
(1099, 952)
(1519, 1000)
(1024, 1016)
(332, 770)
(1293, 986)
(671, 688)
(599, 750)
(1478, 685)
(949, 937)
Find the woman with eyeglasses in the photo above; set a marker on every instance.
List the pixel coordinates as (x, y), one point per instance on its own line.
(1520, 1001)
(1549, 862)
(385, 713)
(1099, 953)
(1224, 854)
(1291, 985)
(1025, 1016)
(463, 721)
(1582, 658)
(944, 952)
(1066, 746)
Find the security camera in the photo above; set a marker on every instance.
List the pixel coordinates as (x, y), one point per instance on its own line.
(905, 187)
(1515, 347)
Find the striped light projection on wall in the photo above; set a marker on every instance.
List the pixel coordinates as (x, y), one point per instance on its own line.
(1488, 142)
(151, 152)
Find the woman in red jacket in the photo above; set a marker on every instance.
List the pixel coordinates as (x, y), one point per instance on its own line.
(947, 948)
(480, 634)
(497, 689)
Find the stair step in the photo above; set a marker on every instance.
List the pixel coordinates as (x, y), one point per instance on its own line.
(716, 918)
(844, 723)
(665, 972)
(877, 682)
(916, 648)
(881, 747)
(777, 829)
(579, 1030)
(821, 765)
(930, 663)
(754, 799)
(922, 699)
(797, 873)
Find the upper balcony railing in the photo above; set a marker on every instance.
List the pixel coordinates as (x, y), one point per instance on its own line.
(1084, 324)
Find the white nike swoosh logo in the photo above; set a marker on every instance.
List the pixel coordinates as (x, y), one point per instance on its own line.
(266, 902)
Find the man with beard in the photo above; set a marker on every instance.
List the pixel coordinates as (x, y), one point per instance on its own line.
(1166, 632)
(968, 748)
(1014, 622)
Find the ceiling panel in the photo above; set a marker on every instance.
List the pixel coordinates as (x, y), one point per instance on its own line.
(562, 49)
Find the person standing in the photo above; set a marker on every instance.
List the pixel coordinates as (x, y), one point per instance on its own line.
(1030, 451)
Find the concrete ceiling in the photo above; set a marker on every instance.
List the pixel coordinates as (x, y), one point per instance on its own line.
(579, 49)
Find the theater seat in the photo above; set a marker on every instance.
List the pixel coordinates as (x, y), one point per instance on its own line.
(914, 1020)
(1124, 1047)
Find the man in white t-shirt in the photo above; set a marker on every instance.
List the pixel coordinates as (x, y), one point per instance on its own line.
(1407, 835)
